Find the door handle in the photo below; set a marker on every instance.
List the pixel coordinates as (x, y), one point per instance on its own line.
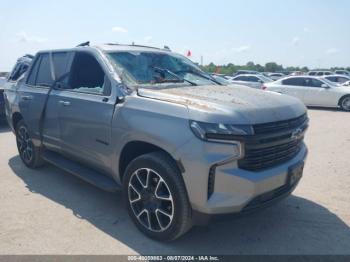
(27, 97)
(64, 103)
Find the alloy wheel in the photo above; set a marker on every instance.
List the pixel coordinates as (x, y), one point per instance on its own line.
(151, 200)
(25, 145)
(346, 104)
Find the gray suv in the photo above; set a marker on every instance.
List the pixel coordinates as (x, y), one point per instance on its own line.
(180, 145)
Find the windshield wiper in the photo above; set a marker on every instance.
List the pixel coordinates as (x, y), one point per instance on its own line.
(179, 79)
(208, 77)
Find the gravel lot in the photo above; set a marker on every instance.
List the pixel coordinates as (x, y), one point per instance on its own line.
(47, 211)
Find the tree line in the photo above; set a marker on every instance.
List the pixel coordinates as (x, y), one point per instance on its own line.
(230, 68)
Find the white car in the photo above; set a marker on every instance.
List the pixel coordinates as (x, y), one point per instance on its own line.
(342, 72)
(276, 76)
(320, 73)
(338, 79)
(346, 83)
(254, 81)
(313, 91)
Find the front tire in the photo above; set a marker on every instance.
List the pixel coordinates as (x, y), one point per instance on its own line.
(29, 153)
(156, 197)
(345, 103)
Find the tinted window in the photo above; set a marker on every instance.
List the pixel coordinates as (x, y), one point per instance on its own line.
(312, 73)
(332, 78)
(44, 77)
(240, 78)
(252, 79)
(18, 71)
(311, 82)
(342, 79)
(86, 75)
(293, 81)
(60, 63)
(33, 72)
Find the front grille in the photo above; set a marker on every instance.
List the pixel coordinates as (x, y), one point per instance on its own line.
(266, 149)
(279, 126)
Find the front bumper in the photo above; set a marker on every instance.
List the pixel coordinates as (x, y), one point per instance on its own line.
(235, 190)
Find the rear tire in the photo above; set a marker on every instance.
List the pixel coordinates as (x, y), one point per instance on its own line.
(345, 103)
(30, 154)
(156, 197)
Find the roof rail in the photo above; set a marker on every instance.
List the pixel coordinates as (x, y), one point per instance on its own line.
(87, 43)
(133, 44)
(29, 56)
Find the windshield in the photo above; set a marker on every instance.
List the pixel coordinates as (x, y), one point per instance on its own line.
(330, 83)
(222, 80)
(157, 68)
(265, 79)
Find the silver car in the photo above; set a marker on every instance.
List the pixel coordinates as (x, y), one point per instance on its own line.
(254, 81)
(148, 121)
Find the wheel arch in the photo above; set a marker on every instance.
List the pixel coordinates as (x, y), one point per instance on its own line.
(341, 98)
(134, 149)
(16, 117)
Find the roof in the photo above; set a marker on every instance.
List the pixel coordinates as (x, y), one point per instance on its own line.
(109, 47)
(336, 75)
(255, 75)
(122, 47)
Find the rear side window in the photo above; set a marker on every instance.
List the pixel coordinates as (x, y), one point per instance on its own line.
(240, 78)
(33, 72)
(311, 82)
(60, 63)
(44, 77)
(252, 79)
(19, 70)
(293, 82)
(332, 78)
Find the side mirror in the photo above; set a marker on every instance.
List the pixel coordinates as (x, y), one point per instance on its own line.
(325, 86)
(60, 85)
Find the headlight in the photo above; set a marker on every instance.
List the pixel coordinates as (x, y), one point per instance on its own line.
(222, 133)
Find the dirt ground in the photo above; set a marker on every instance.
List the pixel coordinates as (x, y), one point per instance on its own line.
(48, 211)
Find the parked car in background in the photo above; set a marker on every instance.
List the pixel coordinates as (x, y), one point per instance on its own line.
(296, 73)
(181, 146)
(243, 72)
(276, 76)
(221, 79)
(14, 76)
(320, 73)
(346, 83)
(254, 81)
(313, 91)
(2, 102)
(342, 72)
(340, 79)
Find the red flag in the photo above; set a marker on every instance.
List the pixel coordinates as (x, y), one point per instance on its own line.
(189, 53)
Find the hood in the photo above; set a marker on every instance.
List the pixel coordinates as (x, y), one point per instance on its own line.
(233, 104)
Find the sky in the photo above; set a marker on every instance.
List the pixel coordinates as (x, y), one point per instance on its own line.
(313, 33)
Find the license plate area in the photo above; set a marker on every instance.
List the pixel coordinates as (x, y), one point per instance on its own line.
(295, 172)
